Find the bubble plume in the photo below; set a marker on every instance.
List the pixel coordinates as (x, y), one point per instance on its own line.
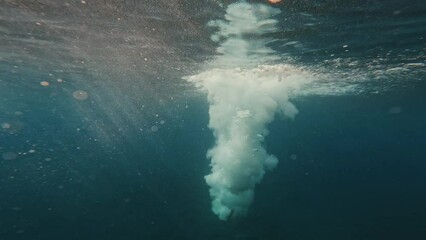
(246, 89)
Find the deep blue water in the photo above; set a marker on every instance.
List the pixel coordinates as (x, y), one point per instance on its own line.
(129, 161)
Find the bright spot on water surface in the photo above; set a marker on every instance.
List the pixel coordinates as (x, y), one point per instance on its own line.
(80, 95)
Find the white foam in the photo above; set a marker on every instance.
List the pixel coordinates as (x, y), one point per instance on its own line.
(245, 91)
(242, 103)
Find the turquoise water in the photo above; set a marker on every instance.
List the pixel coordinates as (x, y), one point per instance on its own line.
(109, 108)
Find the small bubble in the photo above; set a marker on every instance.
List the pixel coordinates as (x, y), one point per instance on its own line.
(59, 80)
(31, 151)
(6, 125)
(9, 155)
(395, 110)
(44, 83)
(80, 95)
(293, 156)
(154, 128)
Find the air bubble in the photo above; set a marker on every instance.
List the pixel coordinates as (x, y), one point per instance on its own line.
(9, 155)
(80, 95)
(44, 83)
(154, 128)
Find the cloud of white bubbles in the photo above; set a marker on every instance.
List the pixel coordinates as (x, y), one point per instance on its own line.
(245, 92)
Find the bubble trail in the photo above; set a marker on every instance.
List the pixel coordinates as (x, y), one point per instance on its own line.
(245, 91)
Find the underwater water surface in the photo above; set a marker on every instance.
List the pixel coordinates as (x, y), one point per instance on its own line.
(212, 119)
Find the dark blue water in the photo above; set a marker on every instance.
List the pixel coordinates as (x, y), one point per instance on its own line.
(128, 160)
